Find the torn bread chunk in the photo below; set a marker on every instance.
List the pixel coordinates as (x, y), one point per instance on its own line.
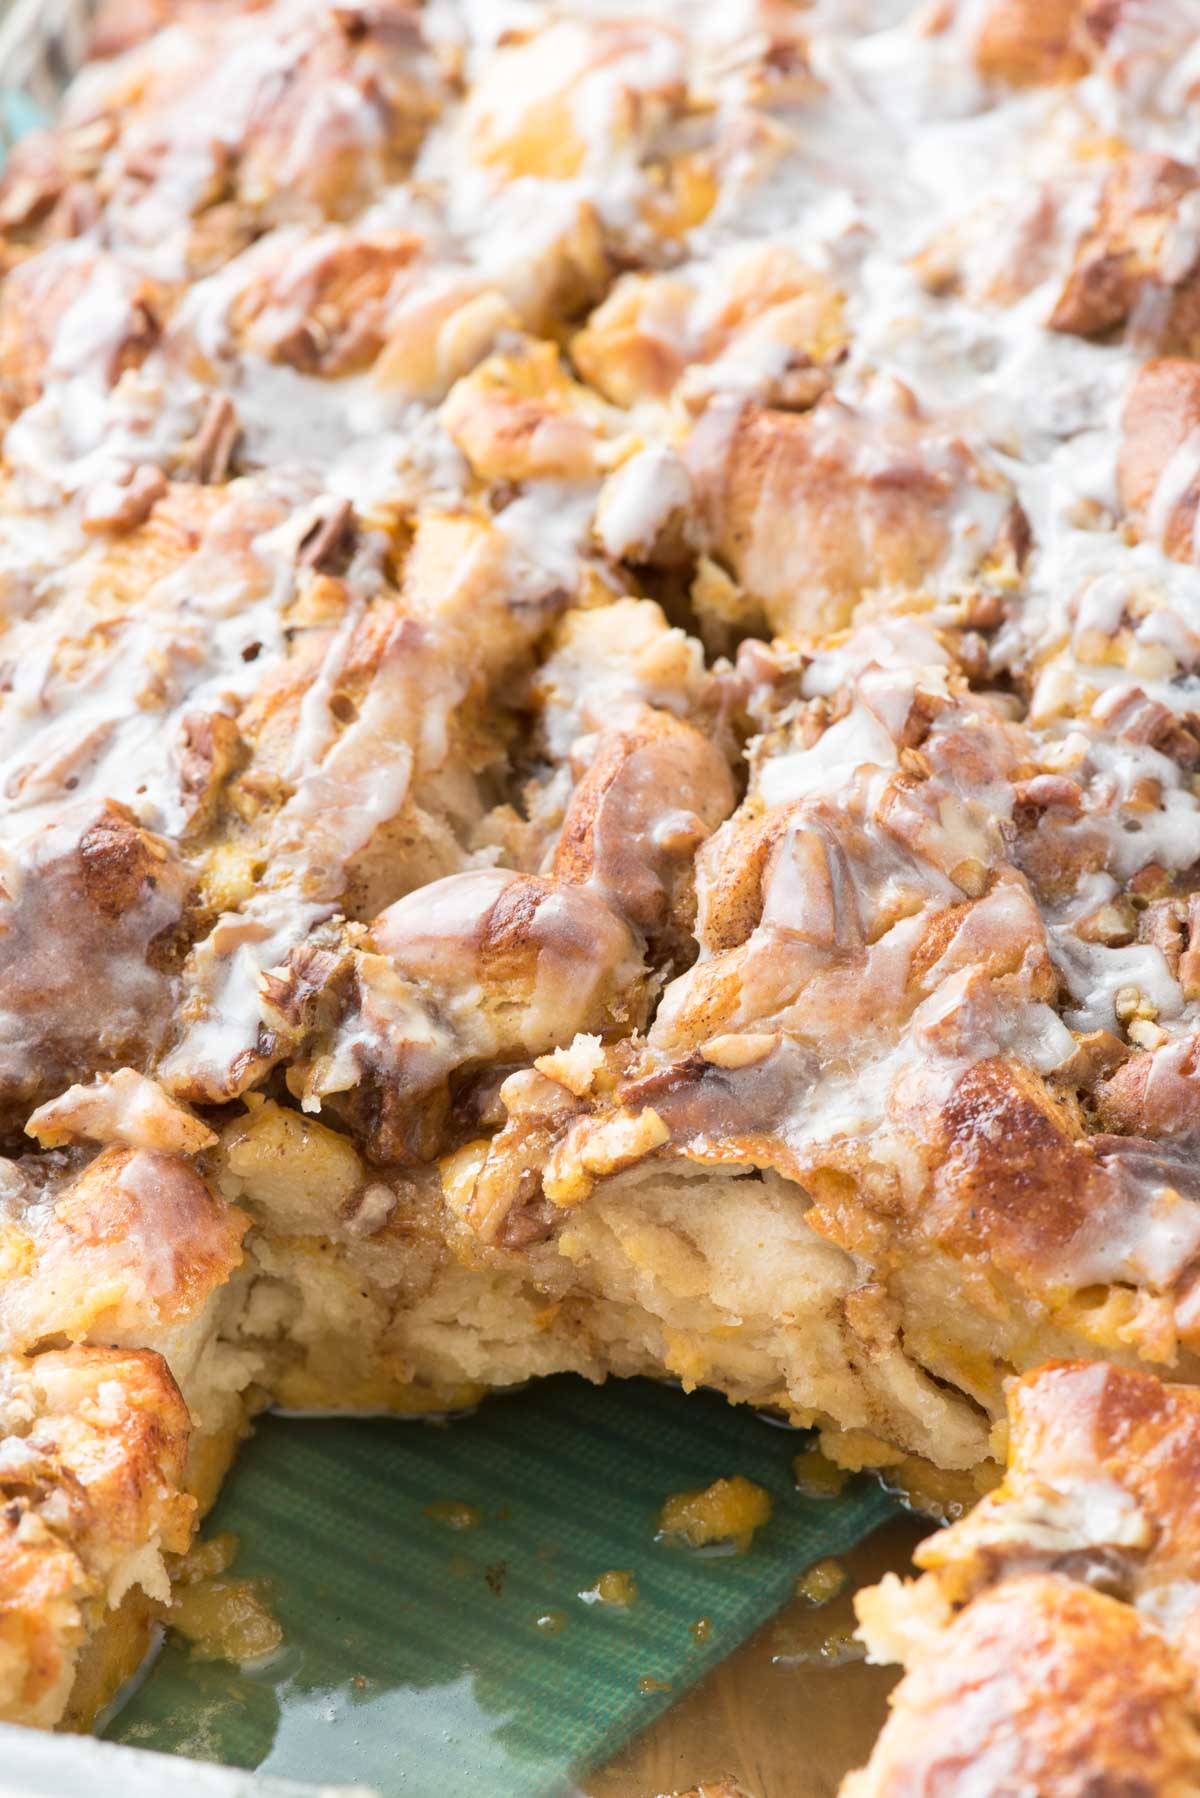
(93, 1447)
(324, 109)
(810, 511)
(1052, 1643)
(888, 1012)
(123, 1108)
(132, 1248)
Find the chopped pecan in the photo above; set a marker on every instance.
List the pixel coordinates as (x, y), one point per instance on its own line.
(210, 452)
(1097, 1054)
(328, 543)
(531, 1220)
(922, 712)
(210, 748)
(1188, 970)
(1132, 715)
(1150, 882)
(1161, 924)
(123, 504)
(1114, 923)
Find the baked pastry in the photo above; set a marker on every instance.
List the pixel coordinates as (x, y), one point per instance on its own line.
(1053, 1642)
(599, 763)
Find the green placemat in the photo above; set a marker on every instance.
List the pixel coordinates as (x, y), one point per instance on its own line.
(413, 1660)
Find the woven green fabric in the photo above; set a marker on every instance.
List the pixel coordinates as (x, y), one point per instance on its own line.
(412, 1659)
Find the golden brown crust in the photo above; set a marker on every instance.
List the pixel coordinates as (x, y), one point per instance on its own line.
(1139, 1432)
(505, 924)
(1040, 1686)
(519, 417)
(655, 334)
(36, 299)
(1127, 266)
(1024, 1206)
(1055, 1639)
(651, 795)
(1161, 415)
(87, 955)
(91, 1466)
(810, 511)
(1024, 43)
(154, 1212)
(1155, 1091)
(111, 1658)
(134, 1246)
(546, 960)
(324, 311)
(641, 61)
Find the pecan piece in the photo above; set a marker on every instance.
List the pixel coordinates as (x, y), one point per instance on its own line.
(124, 503)
(209, 454)
(328, 543)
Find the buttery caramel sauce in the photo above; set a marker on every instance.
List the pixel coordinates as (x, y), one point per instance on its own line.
(617, 1587)
(223, 1618)
(784, 1715)
(728, 1511)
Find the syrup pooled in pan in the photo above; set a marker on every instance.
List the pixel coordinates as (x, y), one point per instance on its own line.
(434, 1587)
